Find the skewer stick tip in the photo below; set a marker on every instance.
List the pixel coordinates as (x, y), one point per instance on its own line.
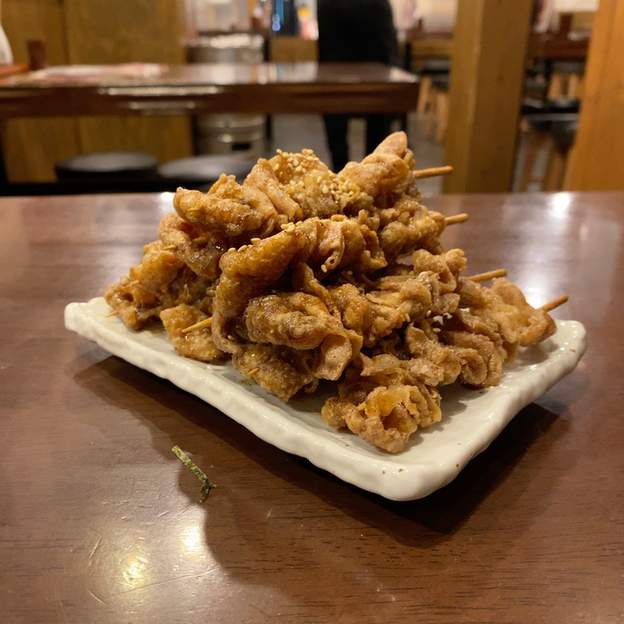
(458, 218)
(555, 303)
(113, 313)
(484, 277)
(419, 174)
(205, 323)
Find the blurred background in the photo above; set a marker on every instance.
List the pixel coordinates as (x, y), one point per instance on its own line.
(514, 94)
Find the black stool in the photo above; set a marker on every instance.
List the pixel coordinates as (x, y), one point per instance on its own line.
(541, 136)
(432, 68)
(107, 171)
(201, 172)
(563, 133)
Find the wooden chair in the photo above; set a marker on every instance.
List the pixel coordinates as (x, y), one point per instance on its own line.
(566, 80)
(438, 110)
(432, 67)
(563, 133)
(552, 135)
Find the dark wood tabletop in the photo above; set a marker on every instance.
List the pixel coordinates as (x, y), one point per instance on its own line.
(269, 88)
(100, 522)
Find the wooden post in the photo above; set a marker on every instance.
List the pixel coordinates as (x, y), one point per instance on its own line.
(597, 158)
(485, 92)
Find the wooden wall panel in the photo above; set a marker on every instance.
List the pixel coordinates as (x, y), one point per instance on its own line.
(597, 159)
(32, 146)
(486, 84)
(123, 31)
(292, 50)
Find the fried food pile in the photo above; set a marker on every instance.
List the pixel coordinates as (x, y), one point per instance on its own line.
(301, 274)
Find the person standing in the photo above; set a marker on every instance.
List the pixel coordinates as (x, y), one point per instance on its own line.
(356, 31)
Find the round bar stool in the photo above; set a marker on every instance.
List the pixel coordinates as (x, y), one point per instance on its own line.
(542, 138)
(201, 172)
(107, 170)
(438, 108)
(432, 68)
(563, 132)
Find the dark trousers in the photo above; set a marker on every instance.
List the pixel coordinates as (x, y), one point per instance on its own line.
(336, 126)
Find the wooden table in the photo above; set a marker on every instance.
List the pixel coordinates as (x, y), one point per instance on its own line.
(547, 46)
(551, 47)
(197, 89)
(99, 522)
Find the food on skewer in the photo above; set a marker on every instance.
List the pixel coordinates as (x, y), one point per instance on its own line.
(301, 274)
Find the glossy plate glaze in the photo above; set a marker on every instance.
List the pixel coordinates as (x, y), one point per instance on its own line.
(433, 457)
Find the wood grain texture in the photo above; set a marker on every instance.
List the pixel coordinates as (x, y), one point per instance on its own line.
(218, 88)
(99, 521)
(292, 50)
(32, 146)
(486, 84)
(597, 158)
(125, 31)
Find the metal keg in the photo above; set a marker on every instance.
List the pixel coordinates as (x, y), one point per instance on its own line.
(237, 135)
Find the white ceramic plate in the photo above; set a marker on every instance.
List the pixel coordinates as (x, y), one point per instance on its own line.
(471, 419)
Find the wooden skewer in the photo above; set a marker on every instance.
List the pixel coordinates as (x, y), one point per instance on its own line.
(484, 277)
(113, 313)
(458, 218)
(555, 303)
(205, 323)
(432, 173)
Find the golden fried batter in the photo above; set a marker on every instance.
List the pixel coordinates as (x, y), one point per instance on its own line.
(228, 208)
(196, 344)
(302, 274)
(158, 282)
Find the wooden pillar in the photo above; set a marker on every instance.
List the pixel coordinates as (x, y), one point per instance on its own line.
(487, 72)
(597, 158)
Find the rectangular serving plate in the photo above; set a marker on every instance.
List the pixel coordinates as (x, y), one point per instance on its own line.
(471, 419)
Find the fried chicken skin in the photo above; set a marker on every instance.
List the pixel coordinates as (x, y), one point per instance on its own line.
(301, 274)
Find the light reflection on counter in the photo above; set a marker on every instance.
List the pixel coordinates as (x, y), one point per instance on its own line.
(560, 204)
(165, 202)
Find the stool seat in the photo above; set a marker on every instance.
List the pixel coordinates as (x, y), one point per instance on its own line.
(564, 133)
(435, 66)
(104, 167)
(544, 122)
(206, 169)
(440, 81)
(568, 67)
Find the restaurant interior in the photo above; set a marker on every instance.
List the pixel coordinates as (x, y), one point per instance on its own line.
(502, 106)
(311, 311)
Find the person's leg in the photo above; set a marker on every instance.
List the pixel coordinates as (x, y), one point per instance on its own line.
(336, 129)
(377, 129)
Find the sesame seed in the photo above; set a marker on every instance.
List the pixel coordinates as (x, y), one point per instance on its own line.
(299, 169)
(255, 240)
(323, 268)
(325, 190)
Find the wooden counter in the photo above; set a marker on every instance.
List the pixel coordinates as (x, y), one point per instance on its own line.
(99, 522)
